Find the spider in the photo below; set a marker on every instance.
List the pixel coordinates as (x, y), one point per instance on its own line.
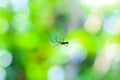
(58, 39)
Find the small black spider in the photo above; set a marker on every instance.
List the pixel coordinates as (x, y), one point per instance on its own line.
(58, 39)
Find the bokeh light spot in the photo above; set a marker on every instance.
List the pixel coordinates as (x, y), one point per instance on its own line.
(98, 3)
(4, 3)
(56, 73)
(2, 73)
(19, 4)
(5, 58)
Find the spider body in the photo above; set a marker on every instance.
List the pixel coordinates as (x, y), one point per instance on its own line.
(58, 39)
(62, 43)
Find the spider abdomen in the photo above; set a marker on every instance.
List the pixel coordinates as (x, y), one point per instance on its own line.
(64, 43)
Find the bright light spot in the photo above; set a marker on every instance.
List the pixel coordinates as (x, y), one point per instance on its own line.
(103, 61)
(115, 64)
(109, 24)
(2, 73)
(19, 4)
(75, 51)
(24, 12)
(117, 58)
(21, 23)
(111, 50)
(71, 71)
(4, 3)
(98, 3)
(3, 25)
(5, 58)
(117, 26)
(56, 73)
(94, 23)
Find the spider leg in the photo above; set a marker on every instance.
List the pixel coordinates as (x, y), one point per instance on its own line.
(63, 36)
(66, 45)
(56, 38)
(63, 39)
(55, 45)
(51, 39)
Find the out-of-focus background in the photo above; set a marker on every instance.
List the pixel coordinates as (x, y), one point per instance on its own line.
(92, 28)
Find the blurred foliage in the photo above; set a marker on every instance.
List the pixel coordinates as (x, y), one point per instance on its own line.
(25, 27)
